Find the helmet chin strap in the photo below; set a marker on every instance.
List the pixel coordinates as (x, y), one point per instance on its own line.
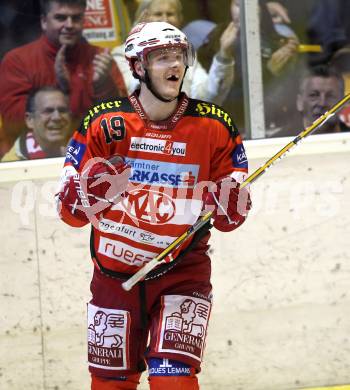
(149, 85)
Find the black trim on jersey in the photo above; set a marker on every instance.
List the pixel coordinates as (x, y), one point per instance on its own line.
(202, 109)
(161, 269)
(116, 105)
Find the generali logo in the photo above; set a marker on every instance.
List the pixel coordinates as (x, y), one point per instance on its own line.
(184, 325)
(108, 331)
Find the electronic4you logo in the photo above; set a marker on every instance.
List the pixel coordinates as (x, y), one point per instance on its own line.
(150, 145)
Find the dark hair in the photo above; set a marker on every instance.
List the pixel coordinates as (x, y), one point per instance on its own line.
(324, 71)
(30, 105)
(46, 4)
(340, 60)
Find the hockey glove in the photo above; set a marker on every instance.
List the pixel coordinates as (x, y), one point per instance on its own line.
(101, 184)
(229, 203)
(107, 179)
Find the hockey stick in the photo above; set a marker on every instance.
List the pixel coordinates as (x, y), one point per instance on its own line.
(161, 258)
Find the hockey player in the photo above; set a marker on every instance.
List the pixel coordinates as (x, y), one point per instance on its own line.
(142, 169)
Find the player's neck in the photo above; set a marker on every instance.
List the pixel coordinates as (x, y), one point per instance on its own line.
(155, 109)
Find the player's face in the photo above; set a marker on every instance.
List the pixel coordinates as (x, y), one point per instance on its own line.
(51, 119)
(166, 69)
(164, 11)
(318, 95)
(63, 24)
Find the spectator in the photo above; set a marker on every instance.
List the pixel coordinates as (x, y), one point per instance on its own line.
(59, 57)
(212, 86)
(277, 53)
(320, 88)
(340, 62)
(278, 12)
(280, 19)
(320, 22)
(48, 119)
(325, 26)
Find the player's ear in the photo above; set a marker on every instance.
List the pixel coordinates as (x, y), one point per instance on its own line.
(139, 69)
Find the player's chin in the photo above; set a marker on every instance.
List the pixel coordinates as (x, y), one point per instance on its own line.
(171, 92)
(170, 97)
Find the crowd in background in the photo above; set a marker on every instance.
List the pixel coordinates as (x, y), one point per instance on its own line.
(49, 80)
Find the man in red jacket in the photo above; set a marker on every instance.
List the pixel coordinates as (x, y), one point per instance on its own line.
(60, 57)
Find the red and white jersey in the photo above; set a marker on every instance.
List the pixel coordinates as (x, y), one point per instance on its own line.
(172, 161)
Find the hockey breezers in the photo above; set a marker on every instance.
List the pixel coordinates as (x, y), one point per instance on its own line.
(165, 256)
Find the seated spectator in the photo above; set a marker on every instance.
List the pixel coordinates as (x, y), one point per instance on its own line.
(48, 119)
(320, 88)
(278, 54)
(280, 19)
(321, 25)
(340, 62)
(279, 13)
(213, 85)
(326, 27)
(60, 57)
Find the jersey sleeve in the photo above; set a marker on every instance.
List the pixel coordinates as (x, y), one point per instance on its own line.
(87, 142)
(229, 157)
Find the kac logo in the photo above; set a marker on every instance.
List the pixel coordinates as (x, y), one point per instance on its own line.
(239, 157)
(149, 206)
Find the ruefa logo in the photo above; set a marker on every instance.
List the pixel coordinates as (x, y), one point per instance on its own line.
(124, 253)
